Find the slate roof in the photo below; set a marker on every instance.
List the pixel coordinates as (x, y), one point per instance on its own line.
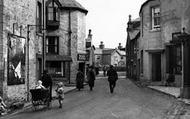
(109, 51)
(73, 4)
(121, 52)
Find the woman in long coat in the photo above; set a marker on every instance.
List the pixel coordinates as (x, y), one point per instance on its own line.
(79, 80)
(91, 78)
(112, 78)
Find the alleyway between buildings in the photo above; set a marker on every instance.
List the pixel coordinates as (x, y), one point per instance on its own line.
(127, 102)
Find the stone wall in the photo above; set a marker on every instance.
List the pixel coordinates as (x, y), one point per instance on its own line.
(1, 49)
(175, 14)
(78, 36)
(150, 39)
(20, 13)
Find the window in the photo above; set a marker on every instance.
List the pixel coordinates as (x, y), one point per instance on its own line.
(52, 11)
(155, 17)
(56, 68)
(39, 17)
(52, 44)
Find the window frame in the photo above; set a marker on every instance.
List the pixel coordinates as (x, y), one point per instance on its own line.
(53, 65)
(155, 18)
(56, 11)
(39, 17)
(56, 45)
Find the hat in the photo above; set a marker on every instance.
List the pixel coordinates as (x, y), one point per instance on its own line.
(111, 66)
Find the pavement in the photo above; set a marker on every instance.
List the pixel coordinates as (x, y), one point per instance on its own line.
(173, 91)
(180, 109)
(28, 105)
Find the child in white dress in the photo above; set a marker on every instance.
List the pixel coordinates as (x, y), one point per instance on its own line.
(39, 85)
(60, 93)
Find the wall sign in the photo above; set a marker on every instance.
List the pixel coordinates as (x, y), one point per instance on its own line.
(82, 57)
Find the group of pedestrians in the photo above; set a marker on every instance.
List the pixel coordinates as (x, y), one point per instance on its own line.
(46, 82)
(80, 78)
(111, 73)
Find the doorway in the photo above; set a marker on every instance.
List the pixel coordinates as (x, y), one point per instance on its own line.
(156, 67)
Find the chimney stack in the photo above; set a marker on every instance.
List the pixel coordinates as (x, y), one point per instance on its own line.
(89, 34)
(119, 47)
(89, 39)
(101, 46)
(129, 24)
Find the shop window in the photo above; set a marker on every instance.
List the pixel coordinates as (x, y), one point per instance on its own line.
(56, 68)
(174, 59)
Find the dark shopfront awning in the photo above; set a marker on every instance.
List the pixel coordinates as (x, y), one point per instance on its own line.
(155, 50)
(58, 58)
(65, 58)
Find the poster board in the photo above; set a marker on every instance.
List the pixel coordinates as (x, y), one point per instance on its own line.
(16, 60)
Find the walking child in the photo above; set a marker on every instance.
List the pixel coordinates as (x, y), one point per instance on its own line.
(60, 93)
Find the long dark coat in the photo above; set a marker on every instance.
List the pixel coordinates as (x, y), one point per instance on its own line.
(91, 78)
(112, 75)
(47, 83)
(79, 80)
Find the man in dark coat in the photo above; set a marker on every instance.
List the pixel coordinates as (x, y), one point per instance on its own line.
(47, 82)
(79, 79)
(112, 78)
(91, 77)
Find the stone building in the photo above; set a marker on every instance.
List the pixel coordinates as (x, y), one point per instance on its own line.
(37, 35)
(19, 44)
(109, 56)
(65, 44)
(132, 45)
(161, 22)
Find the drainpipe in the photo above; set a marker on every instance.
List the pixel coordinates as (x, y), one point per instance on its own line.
(43, 39)
(69, 47)
(27, 62)
(182, 82)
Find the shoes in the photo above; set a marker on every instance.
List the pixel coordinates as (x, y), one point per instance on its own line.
(60, 106)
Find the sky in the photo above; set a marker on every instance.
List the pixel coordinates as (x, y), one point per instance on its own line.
(108, 20)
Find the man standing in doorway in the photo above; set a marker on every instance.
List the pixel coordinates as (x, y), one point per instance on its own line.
(112, 78)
